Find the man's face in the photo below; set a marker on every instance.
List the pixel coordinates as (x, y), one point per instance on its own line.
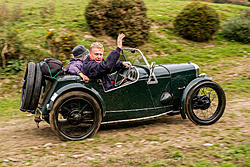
(96, 54)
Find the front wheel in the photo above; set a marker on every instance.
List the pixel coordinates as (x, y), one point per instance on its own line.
(75, 116)
(205, 103)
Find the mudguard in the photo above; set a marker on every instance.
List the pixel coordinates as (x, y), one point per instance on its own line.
(76, 86)
(187, 89)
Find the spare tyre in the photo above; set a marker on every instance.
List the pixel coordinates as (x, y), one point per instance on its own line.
(37, 86)
(28, 85)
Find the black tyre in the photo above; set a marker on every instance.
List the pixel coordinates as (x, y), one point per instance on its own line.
(75, 116)
(37, 88)
(28, 85)
(205, 103)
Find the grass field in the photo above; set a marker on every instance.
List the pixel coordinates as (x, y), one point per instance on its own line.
(165, 142)
(164, 45)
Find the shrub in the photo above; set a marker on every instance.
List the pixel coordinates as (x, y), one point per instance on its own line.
(238, 28)
(10, 45)
(95, 15)
(60, 44)
(222, 1)
(197, 22)
(130, 18)
(236, 2)
(13, 67)
(115, 16)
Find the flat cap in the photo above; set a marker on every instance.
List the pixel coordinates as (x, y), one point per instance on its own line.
(80, 51)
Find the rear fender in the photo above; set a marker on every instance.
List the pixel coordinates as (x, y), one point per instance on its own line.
(187, 89)
(72, 87)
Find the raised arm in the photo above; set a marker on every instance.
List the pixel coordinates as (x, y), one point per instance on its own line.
(119, 40)
(97, 69)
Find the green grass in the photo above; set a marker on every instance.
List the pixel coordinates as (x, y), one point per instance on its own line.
(69, 16)
(240, 86)
(164, 46)
(9, 109)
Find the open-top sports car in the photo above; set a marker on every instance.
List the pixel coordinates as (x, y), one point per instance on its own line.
(75, 109)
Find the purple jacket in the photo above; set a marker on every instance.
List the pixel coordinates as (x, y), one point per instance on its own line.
(103, 69)
(74, 67)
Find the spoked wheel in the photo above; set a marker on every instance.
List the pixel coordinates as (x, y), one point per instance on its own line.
(75, 116)
(205, 103)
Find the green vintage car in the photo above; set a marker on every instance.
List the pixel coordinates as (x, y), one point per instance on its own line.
(75, 110)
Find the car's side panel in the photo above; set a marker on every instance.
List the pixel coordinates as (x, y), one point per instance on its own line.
(62, 86)
(136, 114)
(187, 89)
(133, 96)
(163, 85)
(140, 99)
(181, 75)
(128, 101)
(49, 90)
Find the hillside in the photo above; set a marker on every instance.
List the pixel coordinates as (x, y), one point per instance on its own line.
(167, 141)
(34, 19)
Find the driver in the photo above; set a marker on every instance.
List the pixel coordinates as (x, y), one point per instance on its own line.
(96, 67)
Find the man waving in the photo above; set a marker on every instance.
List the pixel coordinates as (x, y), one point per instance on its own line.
(96, 67)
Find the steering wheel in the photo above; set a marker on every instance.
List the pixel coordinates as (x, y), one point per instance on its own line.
(124, 74)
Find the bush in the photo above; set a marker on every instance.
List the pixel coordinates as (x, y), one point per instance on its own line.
(60, 44)
(197, 22)
(13, 67)
(222, 1)
(236, 2)
(11, 46)
(115, 16)
(95, 15)
(238, 28)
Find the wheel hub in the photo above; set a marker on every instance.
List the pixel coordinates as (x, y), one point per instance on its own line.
(202, 102)
(75, 117)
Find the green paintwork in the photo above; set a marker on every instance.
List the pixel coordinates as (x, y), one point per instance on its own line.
(132, 101)
(66, 84)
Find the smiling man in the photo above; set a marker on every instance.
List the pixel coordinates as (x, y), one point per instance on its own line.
(96, 67)
(96, 52)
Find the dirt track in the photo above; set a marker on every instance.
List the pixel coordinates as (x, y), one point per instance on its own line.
(22, 143)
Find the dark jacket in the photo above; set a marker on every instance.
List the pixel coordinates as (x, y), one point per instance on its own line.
(74, 67)
(103, 69)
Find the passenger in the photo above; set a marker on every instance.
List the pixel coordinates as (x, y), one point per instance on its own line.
(76, 64)
(97, 68)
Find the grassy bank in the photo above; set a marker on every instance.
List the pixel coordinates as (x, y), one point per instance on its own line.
(168, 141)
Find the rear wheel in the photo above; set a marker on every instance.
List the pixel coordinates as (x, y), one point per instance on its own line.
(205, 103)
(75, 116)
